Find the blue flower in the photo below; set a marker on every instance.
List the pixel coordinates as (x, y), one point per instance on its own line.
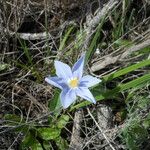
(72, 82)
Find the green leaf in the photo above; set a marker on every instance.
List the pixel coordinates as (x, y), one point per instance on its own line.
(54, 104)
(127, 70)
(47, 145)
(49, 133)
(26, 51)
(145, 50)
(17, 122)
(36, 146)
(13, 119)
(80, 37)
(62, 121)
(64, 40)
(121, 42)
(93, 44)
(28, 141)
(61, 143)
(135, 83)
(4, 67)
(111, 93)
(146, 122)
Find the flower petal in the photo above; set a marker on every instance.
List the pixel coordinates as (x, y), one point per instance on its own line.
(67, 97)
(86, 94)
(89, 81)
(63, 70)
(55, 81)
(78, 67)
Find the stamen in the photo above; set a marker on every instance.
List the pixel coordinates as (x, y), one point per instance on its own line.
(73, 83)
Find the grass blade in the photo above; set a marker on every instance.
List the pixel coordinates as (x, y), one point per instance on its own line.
(122, 87)
(127, 70)
(94, 41)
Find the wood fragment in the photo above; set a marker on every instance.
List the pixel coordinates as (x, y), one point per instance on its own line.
(33, 36)
(76, 140)
(101, 130)
(105, 120)
(110, 59)
(104, 116)
(91, 24)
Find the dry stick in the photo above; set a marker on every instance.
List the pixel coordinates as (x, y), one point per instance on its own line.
(42, 35)
(15, 141)
(76, 141)
(33, 36)
(91, 25)
(100, 14)
(132, 29)
(106, 138)
(109, 59)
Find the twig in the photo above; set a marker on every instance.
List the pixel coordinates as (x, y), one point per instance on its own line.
(104, 116)
(90, 25)
(33, 36)
(42, 35)
(10, 147)
(110, 59)
(33, 100)
(100, 14)
(76, 141)
(106, 138)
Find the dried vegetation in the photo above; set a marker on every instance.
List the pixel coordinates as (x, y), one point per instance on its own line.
(32, 36)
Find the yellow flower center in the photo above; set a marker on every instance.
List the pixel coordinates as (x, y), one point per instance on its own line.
(73, 83)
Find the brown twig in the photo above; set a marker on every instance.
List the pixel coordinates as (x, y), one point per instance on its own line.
(101, 130)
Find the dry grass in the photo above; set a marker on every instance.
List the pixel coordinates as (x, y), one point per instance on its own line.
(30, 33)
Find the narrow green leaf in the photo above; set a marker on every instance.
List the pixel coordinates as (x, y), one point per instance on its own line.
(93, 44)
(54, 104)
(135, 83)
(110, 93)
(145, 50)
(127, 70)
(65, 38)
(26, 51)
(121, 42)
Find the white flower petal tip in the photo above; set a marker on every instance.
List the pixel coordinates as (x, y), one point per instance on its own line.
(62, 69)
(77, 69)
(90, 81)
(94, 102)
(86, 94)
(47, 80)
(55, 81)
(67, 98)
